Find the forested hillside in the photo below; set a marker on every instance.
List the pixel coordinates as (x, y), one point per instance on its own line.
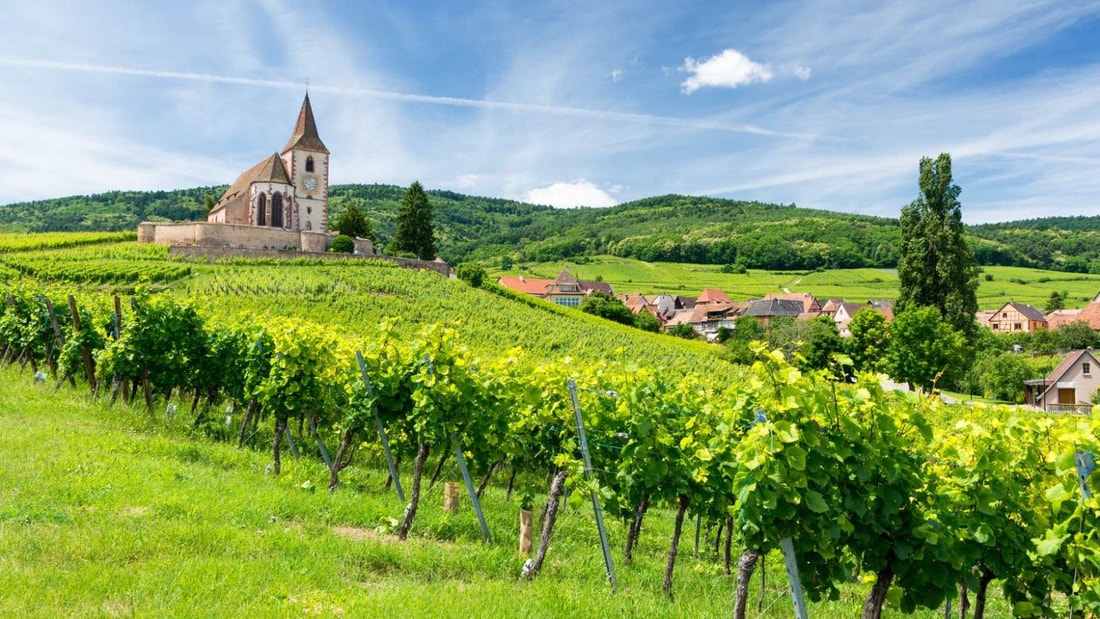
(670, 228)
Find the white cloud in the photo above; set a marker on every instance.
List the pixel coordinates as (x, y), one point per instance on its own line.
(568, 195)
(617, 75)
(728, 69)
(799, 71)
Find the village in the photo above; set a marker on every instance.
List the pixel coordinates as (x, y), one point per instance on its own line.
(1070, 387)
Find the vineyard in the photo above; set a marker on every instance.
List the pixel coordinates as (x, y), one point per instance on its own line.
(907, 499)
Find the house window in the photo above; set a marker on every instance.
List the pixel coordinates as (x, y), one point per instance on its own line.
(1086, 368)
(276, 211)
(1004, 315)
(261, 211)
(1016, 326)
(309, 164)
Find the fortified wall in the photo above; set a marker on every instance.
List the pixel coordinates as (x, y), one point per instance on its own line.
(203, 234)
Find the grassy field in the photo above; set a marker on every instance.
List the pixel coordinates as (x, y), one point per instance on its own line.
(858, 285)
(113, 512)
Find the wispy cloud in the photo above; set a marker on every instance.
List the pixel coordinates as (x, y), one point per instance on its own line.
(513, 106)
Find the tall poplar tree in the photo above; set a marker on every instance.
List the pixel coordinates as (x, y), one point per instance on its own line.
(936, 267)
(415, 232)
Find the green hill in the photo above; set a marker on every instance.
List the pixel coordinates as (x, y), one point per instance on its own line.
(671, 228)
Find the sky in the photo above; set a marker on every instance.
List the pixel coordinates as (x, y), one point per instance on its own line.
(825, 104)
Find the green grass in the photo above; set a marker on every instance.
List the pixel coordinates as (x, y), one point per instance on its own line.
(113, 512)
(1023, 285)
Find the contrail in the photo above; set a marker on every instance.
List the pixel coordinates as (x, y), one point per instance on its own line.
(536, 108)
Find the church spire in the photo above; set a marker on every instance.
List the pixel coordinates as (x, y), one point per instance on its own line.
(305, 132)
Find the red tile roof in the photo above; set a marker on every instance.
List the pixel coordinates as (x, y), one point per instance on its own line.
(712, 295)
(528, 285)
(305, 132)
(270, 170)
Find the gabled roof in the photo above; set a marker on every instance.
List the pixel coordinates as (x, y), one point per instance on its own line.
(305, 132)
(766, 308)
(809, 303)
(269, 170)
(1029, 312)
(598, 287)
(527, 285)
(711, 295)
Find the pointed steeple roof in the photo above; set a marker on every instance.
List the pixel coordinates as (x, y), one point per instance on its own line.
(305, 132)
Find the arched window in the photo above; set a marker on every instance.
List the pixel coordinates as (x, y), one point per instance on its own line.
(261, 211)
(277, 211)
(309, 164)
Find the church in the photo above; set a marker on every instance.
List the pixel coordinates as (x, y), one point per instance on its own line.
(277, 206)
(287, 190)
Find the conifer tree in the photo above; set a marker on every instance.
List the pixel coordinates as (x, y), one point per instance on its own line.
(415, 233)
(936, 267)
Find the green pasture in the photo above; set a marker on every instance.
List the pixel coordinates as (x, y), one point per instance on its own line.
(1023, 285)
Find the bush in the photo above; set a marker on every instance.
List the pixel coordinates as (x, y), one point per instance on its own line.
(684, 331)
(988, 277)
(342, 244)
(647, 322)
(470, 273)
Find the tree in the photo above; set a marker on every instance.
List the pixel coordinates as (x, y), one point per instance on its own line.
(1055, 302)
(936, 267)
(924, 350)
(208, 202)
(869, 341)
(355, 224)
(415, 233)
(1076, 335)
(819, 345)
(471, 273)
(647, 322)
(606, 306)
(1002, 377)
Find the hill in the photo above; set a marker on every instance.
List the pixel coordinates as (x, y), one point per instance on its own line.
(671, 228)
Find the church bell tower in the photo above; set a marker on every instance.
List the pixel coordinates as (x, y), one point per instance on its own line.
(306, 159)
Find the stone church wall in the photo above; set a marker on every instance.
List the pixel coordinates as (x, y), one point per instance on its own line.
(204, 234)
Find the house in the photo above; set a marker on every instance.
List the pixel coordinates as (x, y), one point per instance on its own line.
(527, 285)
(712, 295)
(1017, 317)
(765, 310)
(811, 306)
(707, 318)
(1069, 388)
(564, 290)
(1058, 318)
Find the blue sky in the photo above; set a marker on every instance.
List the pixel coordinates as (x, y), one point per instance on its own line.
(824, 104)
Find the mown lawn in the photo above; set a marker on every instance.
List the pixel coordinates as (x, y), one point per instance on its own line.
(1031, 286)
(115, 512)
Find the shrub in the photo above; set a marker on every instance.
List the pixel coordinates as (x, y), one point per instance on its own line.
(470, 273)
(342, 244)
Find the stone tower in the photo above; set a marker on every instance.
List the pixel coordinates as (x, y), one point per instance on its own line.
(306, 160)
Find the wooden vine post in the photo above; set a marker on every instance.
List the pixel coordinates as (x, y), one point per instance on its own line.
(89, 369)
